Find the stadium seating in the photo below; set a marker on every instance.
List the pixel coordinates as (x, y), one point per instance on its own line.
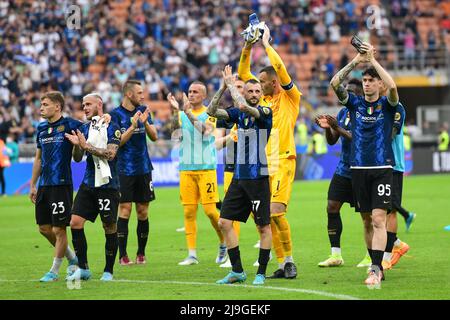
(122, 16)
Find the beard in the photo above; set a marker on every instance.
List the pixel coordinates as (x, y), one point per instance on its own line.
(254, 105)
(135, 102)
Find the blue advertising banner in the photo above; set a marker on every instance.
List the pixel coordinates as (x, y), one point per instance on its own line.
(165, 173)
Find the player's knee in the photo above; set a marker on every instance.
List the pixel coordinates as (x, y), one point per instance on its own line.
(190, 211)
(225, 224)
(45, 230)
(277, 208)
(125, 210)
(333, 207)
(379, 222)
(76, 222)
(212, 214)
(265, 230)
(110, 228)
(59, 232)
(211, 210)
(142, 211)
(142, 215)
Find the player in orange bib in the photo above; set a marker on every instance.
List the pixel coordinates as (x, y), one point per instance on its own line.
(283, 97)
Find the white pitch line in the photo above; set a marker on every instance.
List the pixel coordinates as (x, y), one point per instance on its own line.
(314, 292)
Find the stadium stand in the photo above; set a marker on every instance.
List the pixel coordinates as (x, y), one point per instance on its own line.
(167, 44)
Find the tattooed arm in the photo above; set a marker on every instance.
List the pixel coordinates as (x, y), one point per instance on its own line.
(109, 153)
(213, 110)
(79, 141)
(338, 79)
(238, 99)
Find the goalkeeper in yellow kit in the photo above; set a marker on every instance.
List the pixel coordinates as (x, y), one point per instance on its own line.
(283, 97)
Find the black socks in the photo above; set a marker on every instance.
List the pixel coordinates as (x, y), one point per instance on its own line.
(142, 235)
(235, 258)
(80, 247)
(122, 235)
(111, 246)
(334, 229)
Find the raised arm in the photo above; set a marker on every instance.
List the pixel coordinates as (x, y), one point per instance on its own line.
(277, 63)
(239, 101)
(392, 93)
(244, 63)
(338, 79)
(175, 121)
(150, 129)
(275, 59)
(205, 128)
(213, 107)
(129, 132)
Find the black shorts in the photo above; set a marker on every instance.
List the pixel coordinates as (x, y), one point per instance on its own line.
(136, 188)
(90, 202)
(53, 205)
(397, 189)
(372, 189)
(340, 190)
(245, 196)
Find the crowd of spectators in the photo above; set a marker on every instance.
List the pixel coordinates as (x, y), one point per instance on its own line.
(169, 43)
(416, 51)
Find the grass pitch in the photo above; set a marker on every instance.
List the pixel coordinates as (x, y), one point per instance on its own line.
(424, 273)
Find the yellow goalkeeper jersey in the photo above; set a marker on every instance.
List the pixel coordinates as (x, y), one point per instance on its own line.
(285, 106)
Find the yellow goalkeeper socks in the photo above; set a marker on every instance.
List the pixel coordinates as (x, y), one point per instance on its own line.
(276, 243)
(190, 225)
(285, 234)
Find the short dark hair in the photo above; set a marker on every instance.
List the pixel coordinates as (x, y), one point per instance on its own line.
(55, 97)
(371, 72)
(355, 82)
(129, 84)
(252, 81)
(269, 70)
(356, 86)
